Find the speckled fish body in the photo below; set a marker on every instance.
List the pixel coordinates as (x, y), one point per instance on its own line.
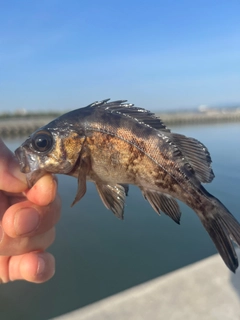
(115, 144)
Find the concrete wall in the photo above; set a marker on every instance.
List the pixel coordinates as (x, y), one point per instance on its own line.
(206, 290)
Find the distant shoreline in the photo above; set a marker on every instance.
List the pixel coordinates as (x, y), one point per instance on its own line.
(211, 116)
(23, 125)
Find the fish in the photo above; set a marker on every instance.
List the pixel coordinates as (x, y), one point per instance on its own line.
(115, 144)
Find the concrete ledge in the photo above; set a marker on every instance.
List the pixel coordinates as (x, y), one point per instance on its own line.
(205, 290)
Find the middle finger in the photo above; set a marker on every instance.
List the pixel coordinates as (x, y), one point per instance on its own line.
(27, 219)
(15, 246)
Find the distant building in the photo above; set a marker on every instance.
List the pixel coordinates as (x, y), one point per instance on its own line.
(20, 112)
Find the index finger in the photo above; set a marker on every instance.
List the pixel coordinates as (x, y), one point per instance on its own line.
(11, 179)
(44, 190)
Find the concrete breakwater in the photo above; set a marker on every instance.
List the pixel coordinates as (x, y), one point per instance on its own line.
(211, 116)
(21, 127)
(18, 127)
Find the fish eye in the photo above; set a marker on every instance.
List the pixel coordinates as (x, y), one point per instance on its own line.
(42, 141)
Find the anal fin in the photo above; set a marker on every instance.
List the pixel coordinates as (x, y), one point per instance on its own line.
(163, 202)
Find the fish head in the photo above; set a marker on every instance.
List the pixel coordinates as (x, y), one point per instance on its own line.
(49, 150)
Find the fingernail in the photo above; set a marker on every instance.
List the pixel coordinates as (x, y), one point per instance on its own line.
(26, 220)
(1, 234)
(41, 265)
(55, 178)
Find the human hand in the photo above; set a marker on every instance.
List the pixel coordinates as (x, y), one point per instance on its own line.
(27, 219)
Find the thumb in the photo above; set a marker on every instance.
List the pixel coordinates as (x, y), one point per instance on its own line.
(11, 179)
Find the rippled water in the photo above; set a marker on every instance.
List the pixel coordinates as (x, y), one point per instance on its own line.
(98, 255)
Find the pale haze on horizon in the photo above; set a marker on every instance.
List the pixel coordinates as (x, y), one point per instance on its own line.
(160, 55)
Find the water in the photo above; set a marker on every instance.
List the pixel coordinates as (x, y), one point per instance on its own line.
(97, 255)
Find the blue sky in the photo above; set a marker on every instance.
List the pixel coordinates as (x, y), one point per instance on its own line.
(58, 55)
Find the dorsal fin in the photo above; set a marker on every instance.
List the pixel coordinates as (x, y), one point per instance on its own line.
(127, 109)
(197, 158)
(196, 154)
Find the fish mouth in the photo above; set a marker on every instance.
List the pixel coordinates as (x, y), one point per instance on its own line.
(22, 159)
(34, 176)
(29, 165)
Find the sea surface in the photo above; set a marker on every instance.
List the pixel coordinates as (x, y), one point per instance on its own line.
(98, 255)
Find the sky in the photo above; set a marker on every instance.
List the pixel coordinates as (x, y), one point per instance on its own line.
(160, 55)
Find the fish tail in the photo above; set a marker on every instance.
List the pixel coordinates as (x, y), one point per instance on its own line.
(223, 228)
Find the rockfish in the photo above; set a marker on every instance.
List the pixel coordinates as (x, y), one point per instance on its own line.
(114, 144)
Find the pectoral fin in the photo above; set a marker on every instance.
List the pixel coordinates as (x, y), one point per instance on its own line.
(113, 197)
(82, 188)
(84, 168)
(162, 202)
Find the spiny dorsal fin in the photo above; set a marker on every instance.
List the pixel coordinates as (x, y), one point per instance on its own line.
(127, 109)
(196, 154)
(162, 202)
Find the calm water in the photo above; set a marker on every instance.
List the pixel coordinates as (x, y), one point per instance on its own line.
(98, 255)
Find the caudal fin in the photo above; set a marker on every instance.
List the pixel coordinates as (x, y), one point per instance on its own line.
(222, 228)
